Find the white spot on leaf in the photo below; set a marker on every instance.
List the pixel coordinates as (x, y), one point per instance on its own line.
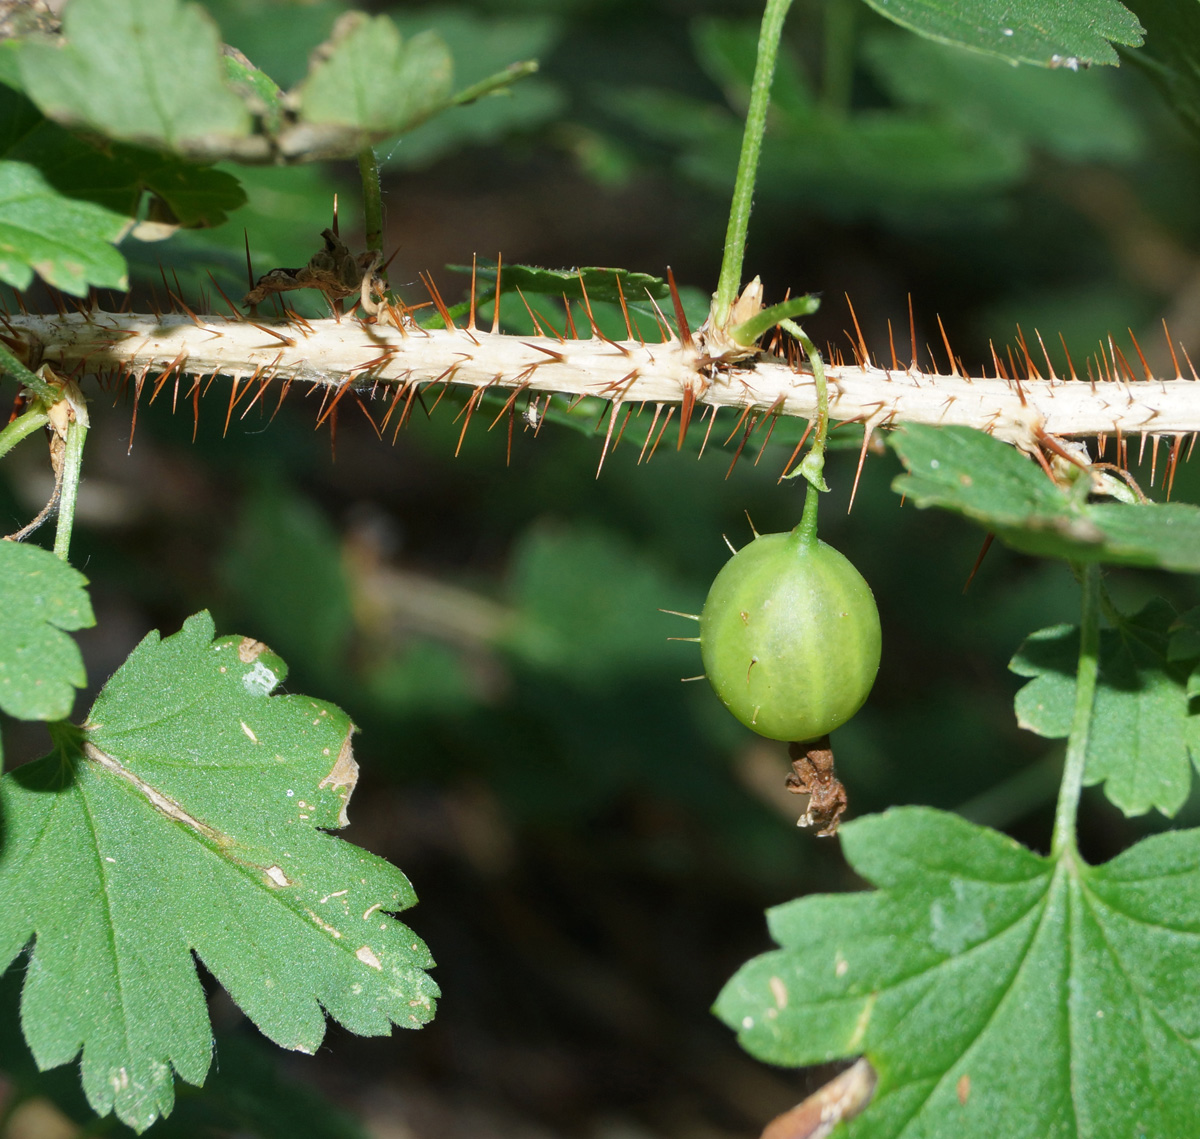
(368, 958)
(260, 680)
(277, 876)
(249, 734)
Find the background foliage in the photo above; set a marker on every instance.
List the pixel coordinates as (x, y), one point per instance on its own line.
(593, 843)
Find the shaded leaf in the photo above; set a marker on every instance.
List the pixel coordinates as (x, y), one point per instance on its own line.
(114, 176)
(148, 72)
(189, 815)
(599, 284)
(986, 983)
(41, 598)
(67, 241)
(1044, 32)
(368, 82)
(1143, 739)
(973, 474)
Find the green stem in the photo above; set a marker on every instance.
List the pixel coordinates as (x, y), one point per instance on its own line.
(743, 190)
(837, 75)
(368, 170)
(21, 427)
(1085, 695)
(72, 464)
(40, 388)
(812, 467)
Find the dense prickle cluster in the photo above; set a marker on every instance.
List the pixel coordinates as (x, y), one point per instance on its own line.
(790, 637)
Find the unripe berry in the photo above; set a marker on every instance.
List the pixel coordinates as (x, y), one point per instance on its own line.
(790, 637)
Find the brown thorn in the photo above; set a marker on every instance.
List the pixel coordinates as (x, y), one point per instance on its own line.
(496, 297)
(624, 422)
(745, 437)
(773, 411)
(336, 232)
(1153, 458)
(854, 349)
(989, 538)
(662, 431)
(1031, 368)
(249, 267)
(1142, 451)
(737, 426)
(1119, 357)
(570, 319)
(792, 457)
(509, 403)
(685, 410)
(1191, 367)
(271, 332)
(865, 356)
(624, 309)
(1067, 352)
(612, 422)
(1174, 462)
(1101, 444)
(868, 430)
(1045, 464)
(233, 390)
(471, 318)
(1138, 349)
(1049, 362)
(475, 396)
(657, 412)
(438, 303)
(1171, 349)
(685, 333)
(892, 347)
(284, 388)
(912, 333)
(1191, 445)
(237, 312)
(711, 420)
(587, 305)
(536, 327)
(660, 320)
(1001, 374)
(557, 357)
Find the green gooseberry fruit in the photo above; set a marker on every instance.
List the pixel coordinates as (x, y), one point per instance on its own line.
(790, 637)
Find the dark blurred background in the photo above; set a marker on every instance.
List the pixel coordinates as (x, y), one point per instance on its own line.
(594, 842)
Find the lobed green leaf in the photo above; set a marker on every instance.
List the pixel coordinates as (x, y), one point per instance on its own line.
(41, 599)
(1144, 739)
(188, 814)
(148, 72)
(369, 82)
(986, 983)
(1043, 32)
(973, 474)
(68, 242)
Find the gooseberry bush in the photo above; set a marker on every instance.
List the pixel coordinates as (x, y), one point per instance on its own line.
(979, 987)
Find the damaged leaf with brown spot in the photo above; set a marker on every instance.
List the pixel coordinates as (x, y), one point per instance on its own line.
(189, 814)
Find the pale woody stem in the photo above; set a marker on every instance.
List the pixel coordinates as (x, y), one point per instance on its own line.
(330, 353)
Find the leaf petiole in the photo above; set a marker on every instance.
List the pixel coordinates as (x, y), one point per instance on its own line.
(69, 493)
(22, 427)
(1064, 840)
